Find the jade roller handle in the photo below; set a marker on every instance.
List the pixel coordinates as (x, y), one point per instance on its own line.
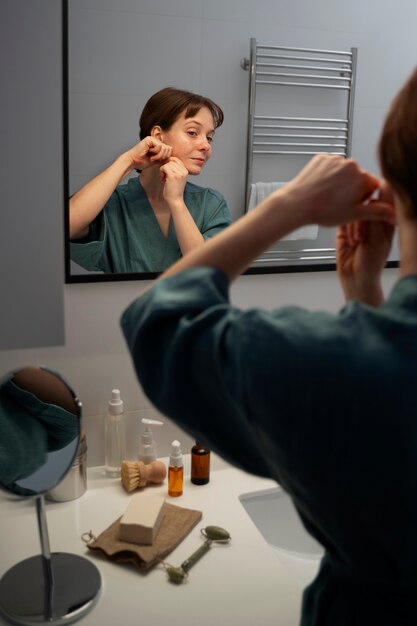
(196, 556)
(213, 534)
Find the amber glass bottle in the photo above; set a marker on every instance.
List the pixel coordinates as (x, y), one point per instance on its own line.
(175, 471)
(200, 464)
(175, 481)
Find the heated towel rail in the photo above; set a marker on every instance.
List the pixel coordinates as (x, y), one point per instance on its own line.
(301, 103)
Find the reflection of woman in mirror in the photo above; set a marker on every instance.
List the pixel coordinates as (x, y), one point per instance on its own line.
(151, 221)
(38, 415)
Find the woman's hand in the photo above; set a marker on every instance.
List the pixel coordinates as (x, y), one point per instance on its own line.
(331, 190)
(362, 249)
(149, 151)
(87, 203)
(174, 175)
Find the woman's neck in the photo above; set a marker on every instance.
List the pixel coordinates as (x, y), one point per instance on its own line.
(151, 182)
(407, 235)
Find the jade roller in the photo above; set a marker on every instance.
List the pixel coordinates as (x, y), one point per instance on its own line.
(213, 534)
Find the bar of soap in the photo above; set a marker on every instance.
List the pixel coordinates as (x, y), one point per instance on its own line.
(142, 519)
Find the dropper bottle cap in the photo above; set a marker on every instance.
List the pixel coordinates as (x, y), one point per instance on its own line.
(115, 406)
(175, 459)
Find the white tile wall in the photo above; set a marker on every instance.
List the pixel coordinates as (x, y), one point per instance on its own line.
(132, 53)
(122, 52)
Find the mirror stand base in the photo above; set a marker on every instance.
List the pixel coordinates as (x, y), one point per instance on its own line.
(28, 598)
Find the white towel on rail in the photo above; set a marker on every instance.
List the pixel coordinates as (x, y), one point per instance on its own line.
(259, 191)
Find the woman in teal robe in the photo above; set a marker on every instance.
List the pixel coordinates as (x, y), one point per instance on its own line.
(126, 235)
(148, 223)
(323, 403)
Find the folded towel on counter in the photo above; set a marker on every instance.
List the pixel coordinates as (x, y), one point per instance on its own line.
(259, 191)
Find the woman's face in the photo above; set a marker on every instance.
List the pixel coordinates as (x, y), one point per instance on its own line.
(191, 139)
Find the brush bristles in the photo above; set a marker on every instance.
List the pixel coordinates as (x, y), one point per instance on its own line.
(130, 474)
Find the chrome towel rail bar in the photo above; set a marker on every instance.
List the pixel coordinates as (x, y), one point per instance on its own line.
(303, 81)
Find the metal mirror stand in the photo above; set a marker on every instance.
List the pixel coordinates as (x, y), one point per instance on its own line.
(49, 588)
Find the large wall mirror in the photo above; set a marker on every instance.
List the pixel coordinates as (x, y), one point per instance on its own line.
(120, 52)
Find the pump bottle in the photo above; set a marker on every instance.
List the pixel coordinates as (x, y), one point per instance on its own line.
(147, 447)
(114, 435)
(175, 470)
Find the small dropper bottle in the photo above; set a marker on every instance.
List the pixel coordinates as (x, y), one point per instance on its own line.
(200, 464)
(114, 435)
(175, 470)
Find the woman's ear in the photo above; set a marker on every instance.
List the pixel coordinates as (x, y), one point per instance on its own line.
(386, 193)
(157, 132)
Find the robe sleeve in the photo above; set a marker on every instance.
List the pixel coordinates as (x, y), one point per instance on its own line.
(188, 361)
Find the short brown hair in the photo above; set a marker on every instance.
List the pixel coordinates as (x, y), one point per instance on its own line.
(166, 105)
(398, 145)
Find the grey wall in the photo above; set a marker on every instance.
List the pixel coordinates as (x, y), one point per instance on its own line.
(211, 38)
(31, 174)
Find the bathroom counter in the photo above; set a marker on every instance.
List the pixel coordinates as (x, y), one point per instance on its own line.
(243, 583)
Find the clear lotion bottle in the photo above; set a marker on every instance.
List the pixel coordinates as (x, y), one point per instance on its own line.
(114, 435)
(175, 471)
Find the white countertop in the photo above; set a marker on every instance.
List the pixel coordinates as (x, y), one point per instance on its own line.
(244, 583)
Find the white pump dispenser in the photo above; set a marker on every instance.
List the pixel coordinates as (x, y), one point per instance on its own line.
(147, 448)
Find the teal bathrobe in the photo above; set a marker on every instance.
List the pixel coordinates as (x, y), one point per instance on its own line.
(126, 236)
(323, 403)
(29, 430)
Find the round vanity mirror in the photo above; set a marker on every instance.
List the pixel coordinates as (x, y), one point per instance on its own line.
(40, 422)
(41, 419)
